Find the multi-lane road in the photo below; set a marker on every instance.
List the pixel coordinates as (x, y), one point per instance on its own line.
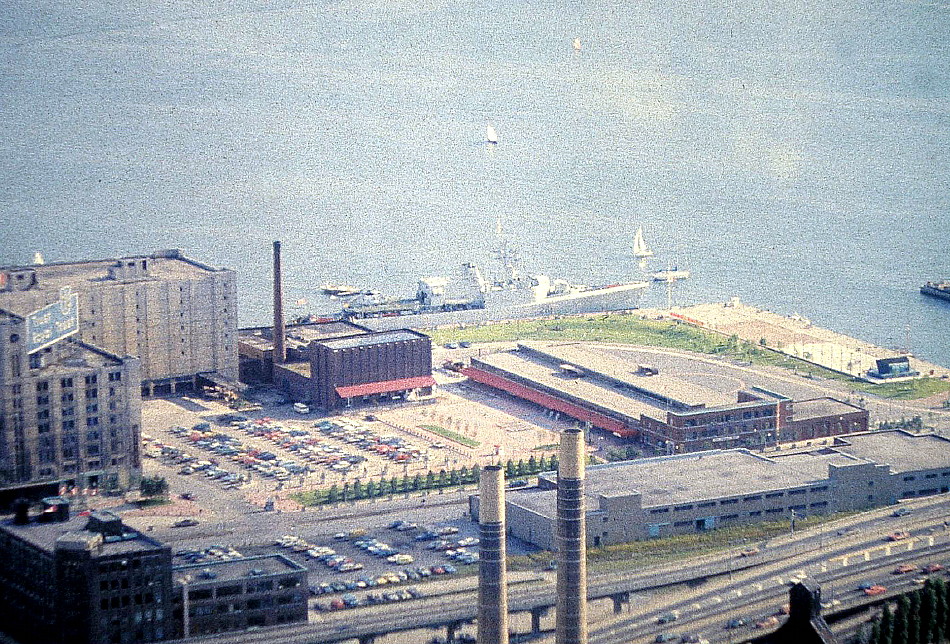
(722, 587)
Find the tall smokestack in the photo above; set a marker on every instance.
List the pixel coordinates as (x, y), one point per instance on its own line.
(492, 576)
(571, 541)
(280, 353)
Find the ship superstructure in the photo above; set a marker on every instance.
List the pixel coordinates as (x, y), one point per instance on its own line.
(470, 297)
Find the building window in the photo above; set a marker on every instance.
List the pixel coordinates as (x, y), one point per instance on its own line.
(92, 421)
(92, 408)
(115, 376)
(42, 385)
(92, 393)
(91, 380)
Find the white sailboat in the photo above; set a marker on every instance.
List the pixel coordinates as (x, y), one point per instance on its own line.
(576, 44)
(640, 250)
(491, 135)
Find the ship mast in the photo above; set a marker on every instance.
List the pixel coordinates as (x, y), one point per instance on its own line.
(507, 257)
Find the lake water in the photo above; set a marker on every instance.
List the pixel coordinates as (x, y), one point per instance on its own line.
(794, 154)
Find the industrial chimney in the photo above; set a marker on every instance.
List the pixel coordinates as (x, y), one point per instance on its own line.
(280, 353)
(571, 541)
(492, 577)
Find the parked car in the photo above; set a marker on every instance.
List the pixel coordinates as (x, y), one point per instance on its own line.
(671, 616)
(904, 568)
(877, 589)
(898, 536)
(185, 523)
(768, 622)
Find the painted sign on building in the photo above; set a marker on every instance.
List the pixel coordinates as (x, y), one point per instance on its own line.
(52, 323)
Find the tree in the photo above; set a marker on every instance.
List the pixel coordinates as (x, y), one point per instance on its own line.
(913, 618)
(887, 626)
(333, 494)
(371, 489)
(928, 613)
(454, 477)
(358, 492)
(875, 632)
(152, 486)
(940, 610)
(521, 468)
(346, 492)
(430, 480)
(543, 464)
(417, 482)
(901, 618)
(393, 485)
(532, 465)
(510, 471)
(443, 479)
(554, 463)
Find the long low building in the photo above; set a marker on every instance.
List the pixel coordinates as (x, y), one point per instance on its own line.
(675, 413)
(689, 493)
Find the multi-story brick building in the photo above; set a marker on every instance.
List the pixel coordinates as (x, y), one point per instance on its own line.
(82, 580)
(238, 594)
(177, 315)
(69, 414)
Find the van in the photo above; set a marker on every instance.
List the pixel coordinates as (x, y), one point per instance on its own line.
(301, 408)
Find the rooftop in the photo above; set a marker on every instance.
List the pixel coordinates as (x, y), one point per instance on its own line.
(299, 335)
(247, 567)
(821, 408)
(687, 478)
(903, 451)
(600, 362)
(369, 339)
(167, 265)
(73, 530)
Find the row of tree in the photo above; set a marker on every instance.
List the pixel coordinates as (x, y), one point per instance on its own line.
(915, 423)
(431, 480)
(921, 617)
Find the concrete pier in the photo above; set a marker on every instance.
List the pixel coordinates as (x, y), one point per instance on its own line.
(571, 541)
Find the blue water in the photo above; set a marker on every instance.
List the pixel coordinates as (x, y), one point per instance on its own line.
(794, 154)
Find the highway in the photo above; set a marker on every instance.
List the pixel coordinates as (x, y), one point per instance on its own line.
(732, 586)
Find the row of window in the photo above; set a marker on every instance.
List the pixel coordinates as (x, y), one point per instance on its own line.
(746, 499)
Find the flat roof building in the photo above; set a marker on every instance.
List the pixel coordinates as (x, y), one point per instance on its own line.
(234, 595)
(687, 493)
(673, 413)
(177, 315)
(82, 580)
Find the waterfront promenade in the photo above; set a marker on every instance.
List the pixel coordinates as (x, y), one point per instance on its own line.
(795, 336)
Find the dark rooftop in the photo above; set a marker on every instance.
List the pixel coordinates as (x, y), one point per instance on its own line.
(369, 339)
(243, 568)
(46, 535)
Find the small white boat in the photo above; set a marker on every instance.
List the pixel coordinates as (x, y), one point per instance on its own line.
(576, 44)
(491, 135)
(640, 249)
(670, 275)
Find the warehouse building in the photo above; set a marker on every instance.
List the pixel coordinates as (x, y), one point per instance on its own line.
(688, 493)
(361, 368)
(256, 345)
(70, 412)
(82, 580)
(222, 596)
(177, 315)
(673, 413)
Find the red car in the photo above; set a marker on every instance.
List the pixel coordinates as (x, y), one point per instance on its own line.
(876, 589)
(933, 567)
(904, 568)
(898, 536)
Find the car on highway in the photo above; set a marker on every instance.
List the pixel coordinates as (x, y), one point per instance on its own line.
(900, 512)
(874, 590)
(666, 637)
(900, 535)
(666, 618)
(693, 639)
(736, 622)
(903, 569)
(768, 622)
(749, 552)
(933, 567)
(185, 523)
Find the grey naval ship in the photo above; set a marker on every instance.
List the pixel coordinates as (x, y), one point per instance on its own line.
(470, 298)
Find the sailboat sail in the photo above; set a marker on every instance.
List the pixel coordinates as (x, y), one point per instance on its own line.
(640, 247)
(490, 135)
(576, 44)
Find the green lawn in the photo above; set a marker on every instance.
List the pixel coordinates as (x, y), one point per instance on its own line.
(669, 334)
(449, 434)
